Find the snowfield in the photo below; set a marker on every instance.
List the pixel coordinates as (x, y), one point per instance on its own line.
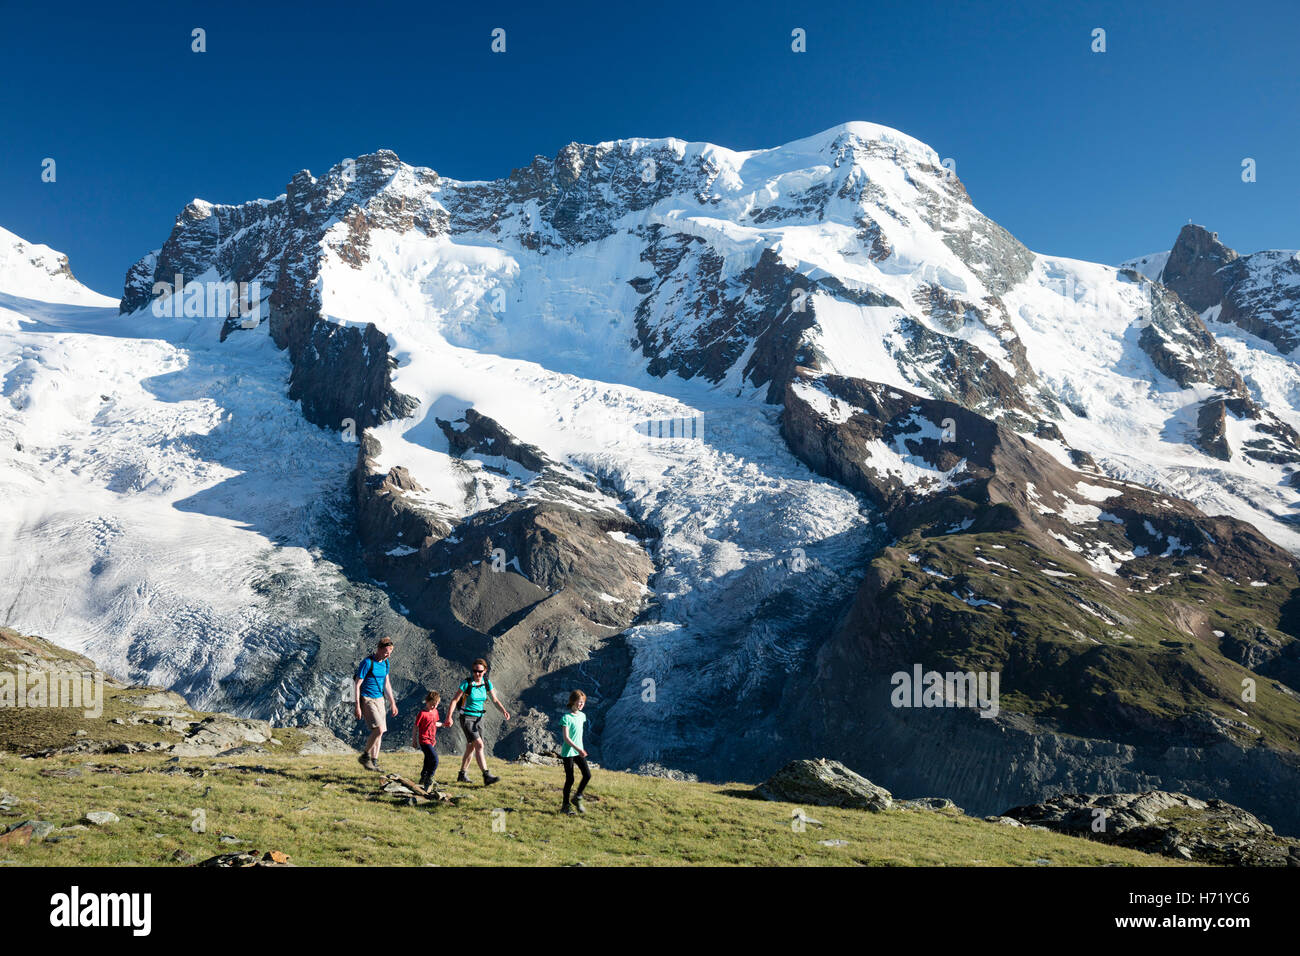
(151, 478)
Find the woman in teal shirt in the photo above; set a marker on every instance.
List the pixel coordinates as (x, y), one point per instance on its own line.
(474, 693)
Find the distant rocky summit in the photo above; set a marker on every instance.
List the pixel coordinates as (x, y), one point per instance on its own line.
(1259, 292)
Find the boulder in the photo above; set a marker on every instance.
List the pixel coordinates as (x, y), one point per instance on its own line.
(543, 760)
(938, 804)
(161, 700)
(20, 835)
(66, 833)
(221, 732)
(227, 860)
(101, 818)
(40, 828)
(824, 783)
(668, 773)
(244, 858)
(321, 741)
(244, 751)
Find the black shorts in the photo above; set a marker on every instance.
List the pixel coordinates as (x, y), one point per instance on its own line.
(471, 726)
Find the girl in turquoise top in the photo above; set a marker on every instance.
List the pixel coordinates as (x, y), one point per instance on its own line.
(571, 726)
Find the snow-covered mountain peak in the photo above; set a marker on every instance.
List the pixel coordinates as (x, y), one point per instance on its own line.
(677, 266)
(29, 270)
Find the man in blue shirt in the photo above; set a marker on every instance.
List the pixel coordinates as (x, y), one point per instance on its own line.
(371, 687)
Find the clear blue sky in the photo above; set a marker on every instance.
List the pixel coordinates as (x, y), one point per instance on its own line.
(1095, 156)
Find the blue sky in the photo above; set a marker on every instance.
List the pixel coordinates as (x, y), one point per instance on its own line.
(1093, 155)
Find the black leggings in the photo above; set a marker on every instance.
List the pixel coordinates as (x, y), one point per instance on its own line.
(568, 775)
(430, 761)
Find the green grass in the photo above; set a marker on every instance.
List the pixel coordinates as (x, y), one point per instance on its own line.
(319, 811)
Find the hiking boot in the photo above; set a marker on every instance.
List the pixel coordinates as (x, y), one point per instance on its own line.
(364, 760)
(426, 782)
(488, 779)
(462, 777)
(374, 765)
(568, 810)
(577, 802)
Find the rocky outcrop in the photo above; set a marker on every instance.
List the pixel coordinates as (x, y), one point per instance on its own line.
(1171, 824)
(1181, 347)
(767, 305)
(1258, 292)
(532, 734)
(1212, 429)
(823, 783)
(1195, 269)
(220, 733)
(341, 374)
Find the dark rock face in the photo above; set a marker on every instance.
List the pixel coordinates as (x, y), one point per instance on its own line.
(1171, 824)
(767, 305)
(957, 371)
(968, 454)
(340, 373)
(1181, 347)
(1276, 442)
(1212, 429)
(823, 783)
(1195, 267)
(483, 435)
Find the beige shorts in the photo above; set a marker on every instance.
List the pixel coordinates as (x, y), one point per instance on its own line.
(372, 712)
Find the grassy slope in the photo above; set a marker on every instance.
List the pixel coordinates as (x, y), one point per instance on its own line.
(1072, 667)
(25, 730)
(319, 811)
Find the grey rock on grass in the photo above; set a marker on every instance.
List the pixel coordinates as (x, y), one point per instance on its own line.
(824, 783)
